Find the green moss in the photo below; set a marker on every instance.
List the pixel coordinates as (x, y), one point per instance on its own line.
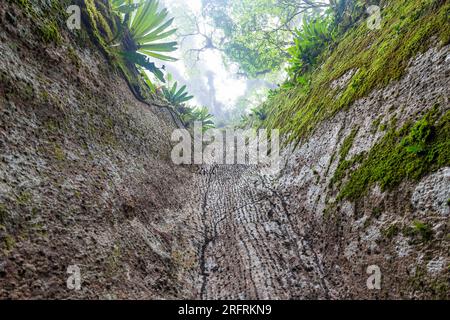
(24, 198)
(27, 92)
(59, 153)
(37, 227)
(344, 164)
(45, 96)
(376, 124)
(24, 4)
(114, 260)
(440, 289)
(9, 243)
(100, 27)
(424, 229)
(377, 56)
(376, 212)
(437, 288)
(49, 32)
(51, 126)
(409, 153)
(3, 213)
(348, 143)
(448, 202)
(419, 231)
(333, 156)
(391, 231)
(74, 58)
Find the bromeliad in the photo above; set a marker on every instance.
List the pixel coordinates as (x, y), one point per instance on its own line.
(143, 25)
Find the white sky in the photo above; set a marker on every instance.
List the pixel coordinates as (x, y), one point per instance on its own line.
(228, 87)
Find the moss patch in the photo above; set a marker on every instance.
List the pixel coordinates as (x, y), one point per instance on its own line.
(391, 231)
(3, 213)
(419, 230)
(24, 198)
(98, 16)
(379, 56)
(24, 4)
(375, 125)
(74, 58)
(437, 288)
(408, 153)
(344, 164)
(9, 243)
(49, 32)
(376, 212)
(59, 153)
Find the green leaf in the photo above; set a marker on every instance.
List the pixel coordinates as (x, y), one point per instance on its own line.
(151, 37)
(144, 62)
(158, 56)
(159, 47)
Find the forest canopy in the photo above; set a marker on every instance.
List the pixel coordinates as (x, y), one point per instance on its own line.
(265, 42)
